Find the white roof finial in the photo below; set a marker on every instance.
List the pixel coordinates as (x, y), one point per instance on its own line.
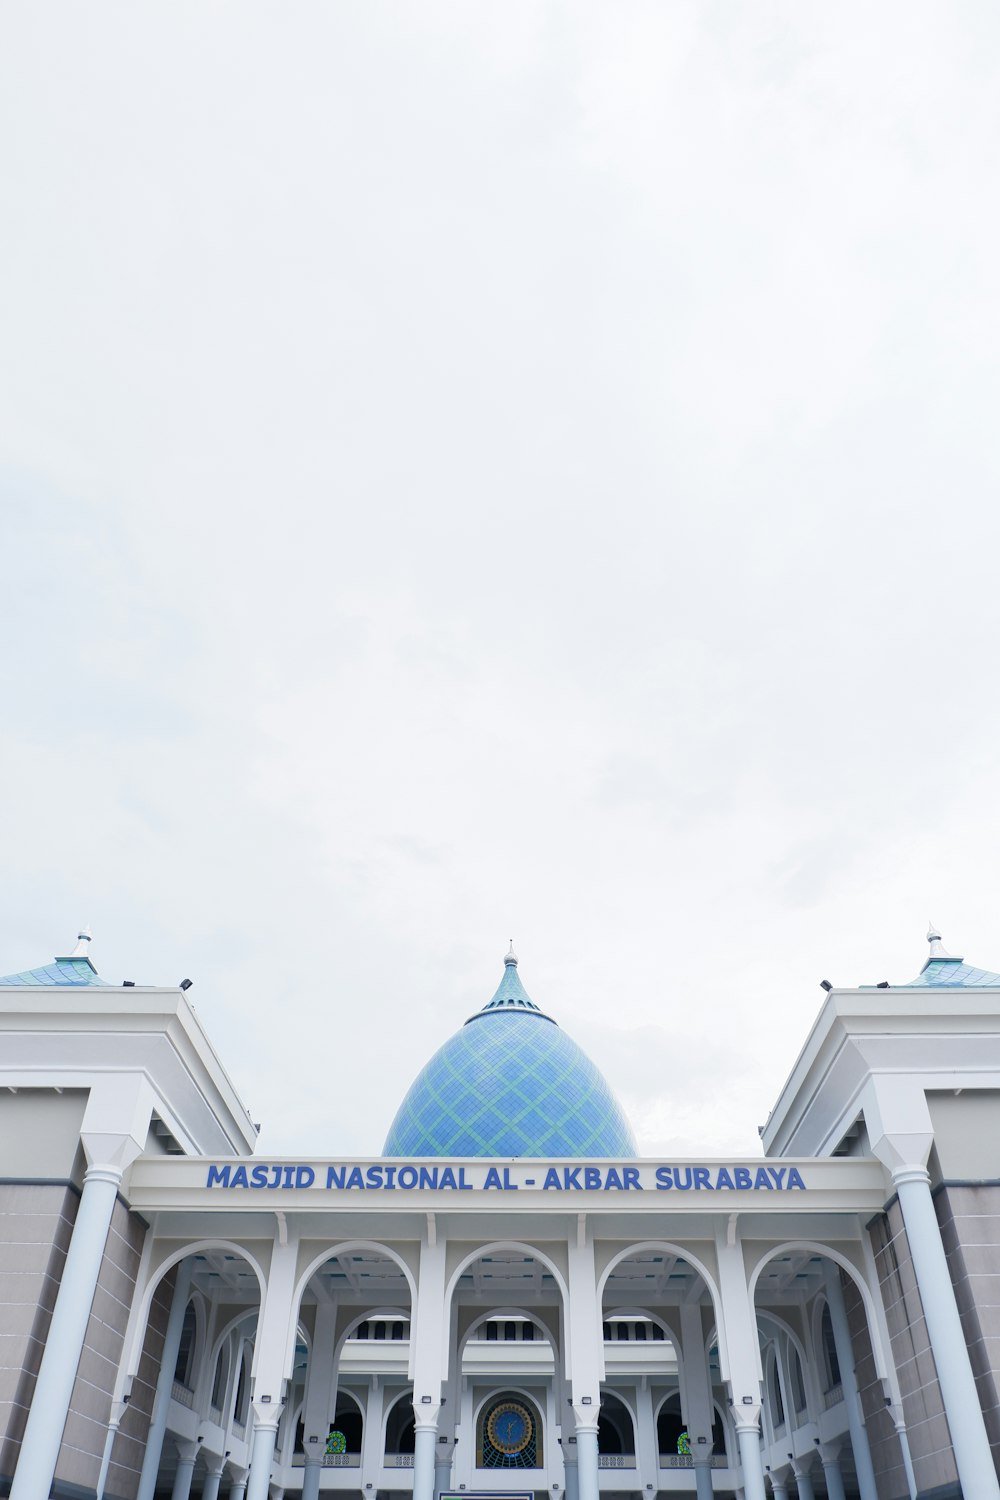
(83, 941)
(938, 950)
(510, 956)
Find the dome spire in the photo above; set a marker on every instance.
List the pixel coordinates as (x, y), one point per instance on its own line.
(84, 938)
(938, 950)
(510, 994)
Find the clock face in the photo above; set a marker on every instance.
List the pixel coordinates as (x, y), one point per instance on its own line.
(509, 1427)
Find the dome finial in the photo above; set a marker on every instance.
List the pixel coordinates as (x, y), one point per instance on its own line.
(510, 957)
(938, 950)
(83, 940)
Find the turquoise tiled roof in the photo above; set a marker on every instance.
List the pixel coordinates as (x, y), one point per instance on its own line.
(510, 1083)
(75, 973)
(951, 974)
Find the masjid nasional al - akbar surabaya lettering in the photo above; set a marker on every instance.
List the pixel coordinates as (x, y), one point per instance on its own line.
(383, 1177)
(509, 1301)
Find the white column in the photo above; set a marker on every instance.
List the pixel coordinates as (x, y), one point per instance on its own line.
(739, 1322)
(803, 1480)
(265, 1433)
(213, 1481)
(646, 1455)
(587, 1468)
(321, 1378)
(779, 1487)
(703, 1477)
(238, 1488)
(187, 1457)
(944, 1327)
(371, 1435)
(311, 1475)
(442, 1466)
(747, 1423)
(424, 1445)
(429, 1357)
(36, 1465)
(849, 1382)
(586, 1345)
(164, 1383)
(272, 1360)
(570, 1468)
(896, 1412)
(118, 1410)
(696, 1396)
(831, 1471)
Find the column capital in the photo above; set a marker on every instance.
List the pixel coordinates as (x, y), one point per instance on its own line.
(267, 1414)
(746, 1418)
(425, 1415)
(104, 1172)
(586, 1418)
(910, 1172)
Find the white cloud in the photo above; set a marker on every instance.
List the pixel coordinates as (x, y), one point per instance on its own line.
(488, 470)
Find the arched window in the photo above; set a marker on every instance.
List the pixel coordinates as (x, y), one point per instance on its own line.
(350, 1422)
(615, 1433)
(774, 1387)
(242, 1407)
(184, 1368)
(797, 1381)
(509, 1433)
(221, 1376)
(830, 1360)
(399, 1427)
(669, 1425)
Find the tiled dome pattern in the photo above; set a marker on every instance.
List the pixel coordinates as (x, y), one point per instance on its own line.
(510, 1083)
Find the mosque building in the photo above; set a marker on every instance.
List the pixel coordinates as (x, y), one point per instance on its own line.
(509, 1300)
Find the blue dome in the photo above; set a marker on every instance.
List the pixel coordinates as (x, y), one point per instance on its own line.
(510, 1083)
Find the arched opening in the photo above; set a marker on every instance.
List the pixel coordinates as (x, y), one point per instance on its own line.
(672, 1440)
(526, 1295)
(241, 1408)
(829, 1363)
(615, 1429)
(220, 1379)
(399, 1427)
(348, 1427)
(509, 1432)
(354, 1324)
(812, 1304)
(203, 1367)
(184, 1366)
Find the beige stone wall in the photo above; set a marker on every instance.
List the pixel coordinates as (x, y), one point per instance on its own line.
(969, 1215)
(130, 1445)
(887, 1455)
(923, 1409)
(36, 1222)
(90, 1407)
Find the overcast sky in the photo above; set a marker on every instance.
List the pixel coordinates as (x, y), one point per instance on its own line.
(474, 470)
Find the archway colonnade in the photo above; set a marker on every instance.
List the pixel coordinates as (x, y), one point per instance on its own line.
(734, 1350)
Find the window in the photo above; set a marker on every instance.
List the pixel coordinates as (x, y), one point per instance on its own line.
(829, 1349)
(777, 1404)
(183, 1373)
(221, 1374)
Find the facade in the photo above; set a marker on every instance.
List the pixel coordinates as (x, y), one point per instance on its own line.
(508, 1300)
